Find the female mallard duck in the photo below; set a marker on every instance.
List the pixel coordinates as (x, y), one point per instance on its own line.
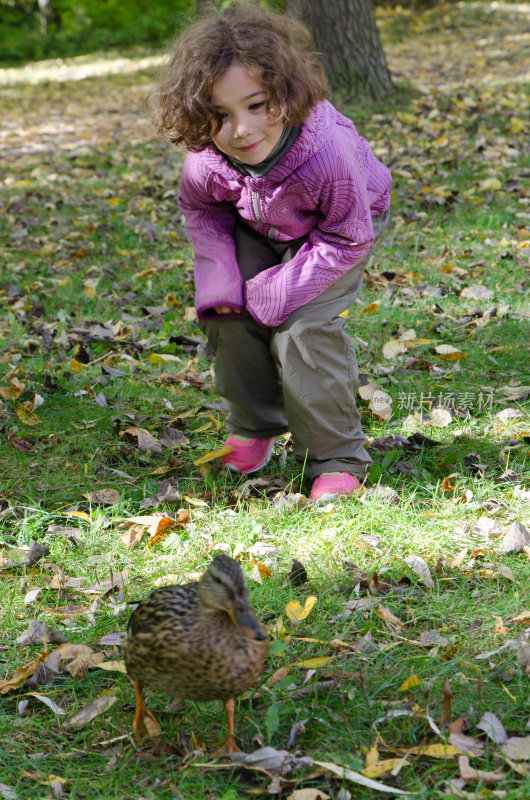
(198, 641)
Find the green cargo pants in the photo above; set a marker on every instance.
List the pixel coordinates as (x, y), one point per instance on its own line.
(300, 376)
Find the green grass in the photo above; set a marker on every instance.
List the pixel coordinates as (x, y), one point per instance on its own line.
(67, 216)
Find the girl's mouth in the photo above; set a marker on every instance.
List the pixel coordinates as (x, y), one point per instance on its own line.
(249, 147)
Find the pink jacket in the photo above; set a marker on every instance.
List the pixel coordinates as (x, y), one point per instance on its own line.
(327, 187)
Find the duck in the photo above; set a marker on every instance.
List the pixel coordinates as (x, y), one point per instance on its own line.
(196, 641)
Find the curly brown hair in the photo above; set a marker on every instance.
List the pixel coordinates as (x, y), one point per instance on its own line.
(275, 45)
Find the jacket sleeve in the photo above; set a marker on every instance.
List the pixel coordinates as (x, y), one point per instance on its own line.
(211, 225)
(342, 236)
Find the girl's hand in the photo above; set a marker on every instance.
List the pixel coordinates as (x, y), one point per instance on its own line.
(226, 310)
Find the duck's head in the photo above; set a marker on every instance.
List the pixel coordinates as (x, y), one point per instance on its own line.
(223, 588)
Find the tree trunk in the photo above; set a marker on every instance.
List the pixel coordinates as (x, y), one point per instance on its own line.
(345, 32)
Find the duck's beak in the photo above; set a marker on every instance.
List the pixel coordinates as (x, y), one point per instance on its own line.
(243, 617)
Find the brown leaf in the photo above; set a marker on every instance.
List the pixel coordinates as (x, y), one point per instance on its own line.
(474, 776)
(173, 438)
(492, 727)
(90, 712)
(467, 744)
(278, 675)
(21, 675)
(132, 538)
(22, 445)
(117, 580)
(441, 417)
(37, 632)
(516, 539)
(145, 440)
(297, 574)
(78, 668)
(103, 497)
(420, 567)
(388, 617)
(517, 748)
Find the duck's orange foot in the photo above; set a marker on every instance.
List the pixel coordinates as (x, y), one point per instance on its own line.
(144, 723)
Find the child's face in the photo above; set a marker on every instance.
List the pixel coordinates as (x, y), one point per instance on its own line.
(247, 133)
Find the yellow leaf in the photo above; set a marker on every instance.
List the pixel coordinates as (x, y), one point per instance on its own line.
(372, 756)
(314, 663)
(522, 619)
(190, 314)
(159, 358)
(114, 201)
(204, 428)
(419, 342)
(344, 313)
(517, 125)
(213, 454)
(21, 675)
(410, 683)
(382, 767)
(490, 185)
(80, 514)
(77, 366)
(295, 611)
(433, 750)
(112, 666)
(455, 356)
(371, 308)
(25, 415)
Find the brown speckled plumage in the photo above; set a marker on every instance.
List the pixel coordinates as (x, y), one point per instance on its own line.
(198, 641)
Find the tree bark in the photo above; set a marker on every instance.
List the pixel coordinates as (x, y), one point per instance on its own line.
(345, 32)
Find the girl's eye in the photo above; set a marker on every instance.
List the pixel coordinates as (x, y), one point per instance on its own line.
(256, 106)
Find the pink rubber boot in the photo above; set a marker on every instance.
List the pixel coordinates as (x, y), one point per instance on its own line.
(332, 484)
(248, 455)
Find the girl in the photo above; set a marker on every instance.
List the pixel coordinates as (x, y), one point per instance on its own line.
(283, 201)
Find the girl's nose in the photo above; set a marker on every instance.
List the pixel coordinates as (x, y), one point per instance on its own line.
(241, 128)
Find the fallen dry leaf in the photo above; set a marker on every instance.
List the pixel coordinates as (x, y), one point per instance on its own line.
(410, 683)
(90, 712)
(385, 766)
(492, 727)
(308, 794)
(393, 348)
(439, 750)
(517, 748)
(314, 663)
(420, 567)
(21, 675)
(103, 497)
(112, 666)
(37, 632)
(477, 291)
(516, 539)
(466, 744)
(78, 668)
(441, 417)
(388, 617)
(474, 776)
(295, 611)
(145, 440)
(213, 455)
(356, 777)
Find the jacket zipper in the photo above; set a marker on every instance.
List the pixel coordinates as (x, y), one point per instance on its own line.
(255, 205)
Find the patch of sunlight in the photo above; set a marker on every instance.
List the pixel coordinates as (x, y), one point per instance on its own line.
(77, 69)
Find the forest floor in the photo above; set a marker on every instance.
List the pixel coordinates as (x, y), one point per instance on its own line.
(407, 661)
